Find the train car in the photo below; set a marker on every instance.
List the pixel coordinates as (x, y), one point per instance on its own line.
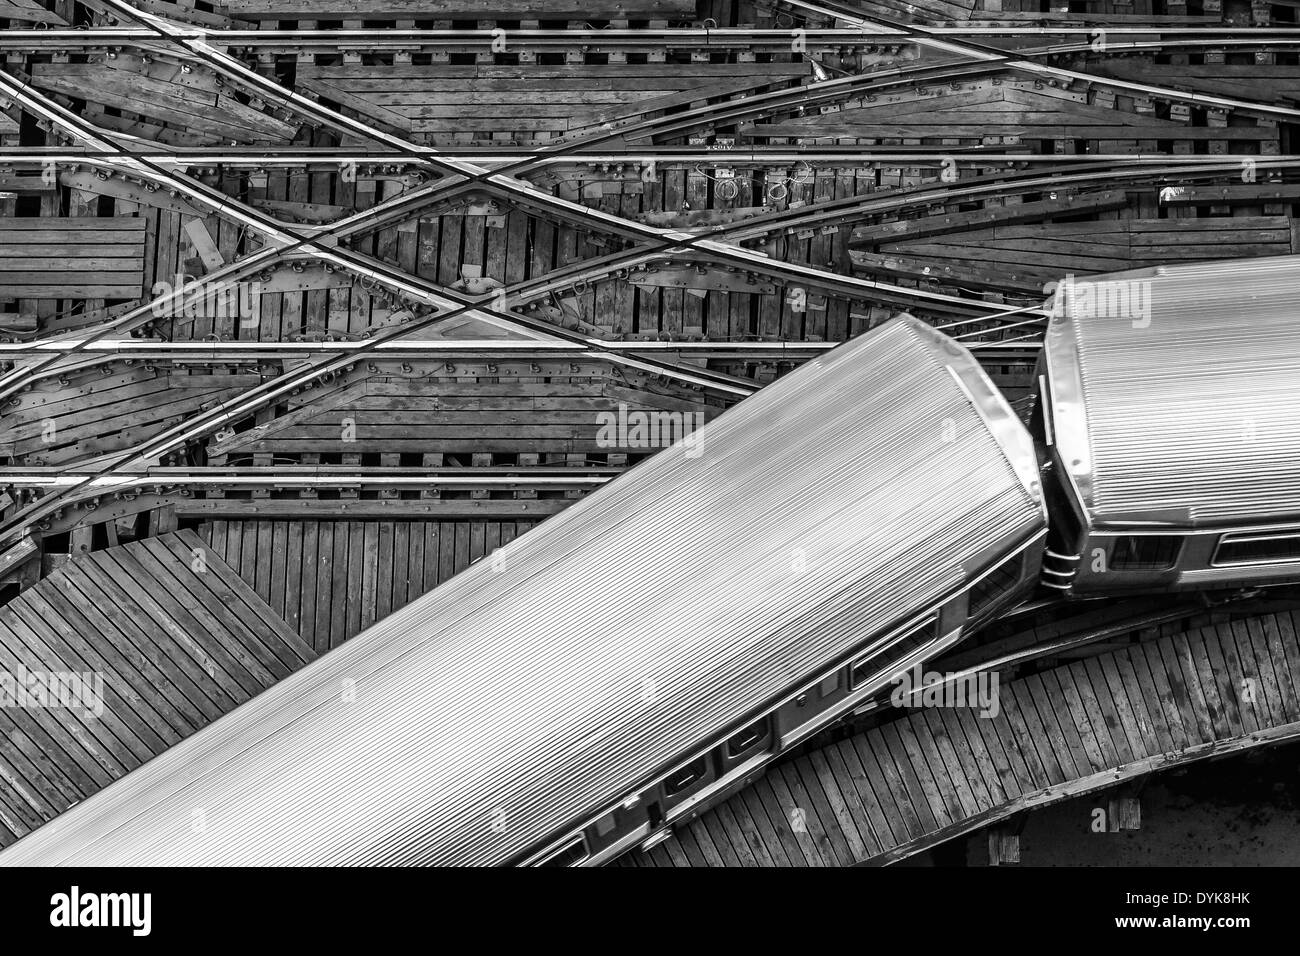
(631, 659)
(1168, 406)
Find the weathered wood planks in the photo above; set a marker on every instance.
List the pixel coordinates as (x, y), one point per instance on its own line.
(495, 413)
(82, 258)
(1023, 257)
(86, 416)
(447, 99)
(455, 9)
(28, 12)
(330, 580)
(1245, 81)
(1002, 108)
(173, 639)
(192, 107)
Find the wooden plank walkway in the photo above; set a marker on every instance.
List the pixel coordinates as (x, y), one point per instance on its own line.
(330, 580)
(448, 99)
(1023, 257)
(71, 258)
(1243, 81)
(169, 105)
(28, 12)
(921, 779)
(174, 638)
(453, 9)
(516, 408)
(104, 410)
(1007, 107)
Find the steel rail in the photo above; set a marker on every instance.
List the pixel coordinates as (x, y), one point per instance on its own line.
(252, 353)
(698, 155)
(237, 351)
(235, 409)
(72, 489)
(670, 37)
(1008, 59)
(972, 51)
(287, 477)
(1159, 165)
(896, 200)
(1013, 184)
(222, 278)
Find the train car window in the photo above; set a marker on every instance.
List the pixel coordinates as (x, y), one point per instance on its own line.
(865, 668)
(747, 739)
(568, 855)
(995, 584)
(869, 667)
(683, 778)
(1146, 552)
(1258, 549)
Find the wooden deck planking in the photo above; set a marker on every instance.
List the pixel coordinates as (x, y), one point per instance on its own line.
(28, 12)
(49, 257)
(449, 99)
(1024, 257)
(1004, 106)
(461, 413)
(350, 573)
(89, 414)
(192, 105)
(177, 640)
(1218, 79)
(453, 9)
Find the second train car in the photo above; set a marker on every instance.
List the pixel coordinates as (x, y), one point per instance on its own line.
(1169, 402)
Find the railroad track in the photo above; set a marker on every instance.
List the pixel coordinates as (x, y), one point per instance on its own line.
(460, 174)
(762, 39)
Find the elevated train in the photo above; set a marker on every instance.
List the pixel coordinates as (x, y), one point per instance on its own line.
(650, 649)
(1169, 431)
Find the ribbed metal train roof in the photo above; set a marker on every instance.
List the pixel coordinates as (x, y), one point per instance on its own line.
(1184, 416)
(529, 692)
